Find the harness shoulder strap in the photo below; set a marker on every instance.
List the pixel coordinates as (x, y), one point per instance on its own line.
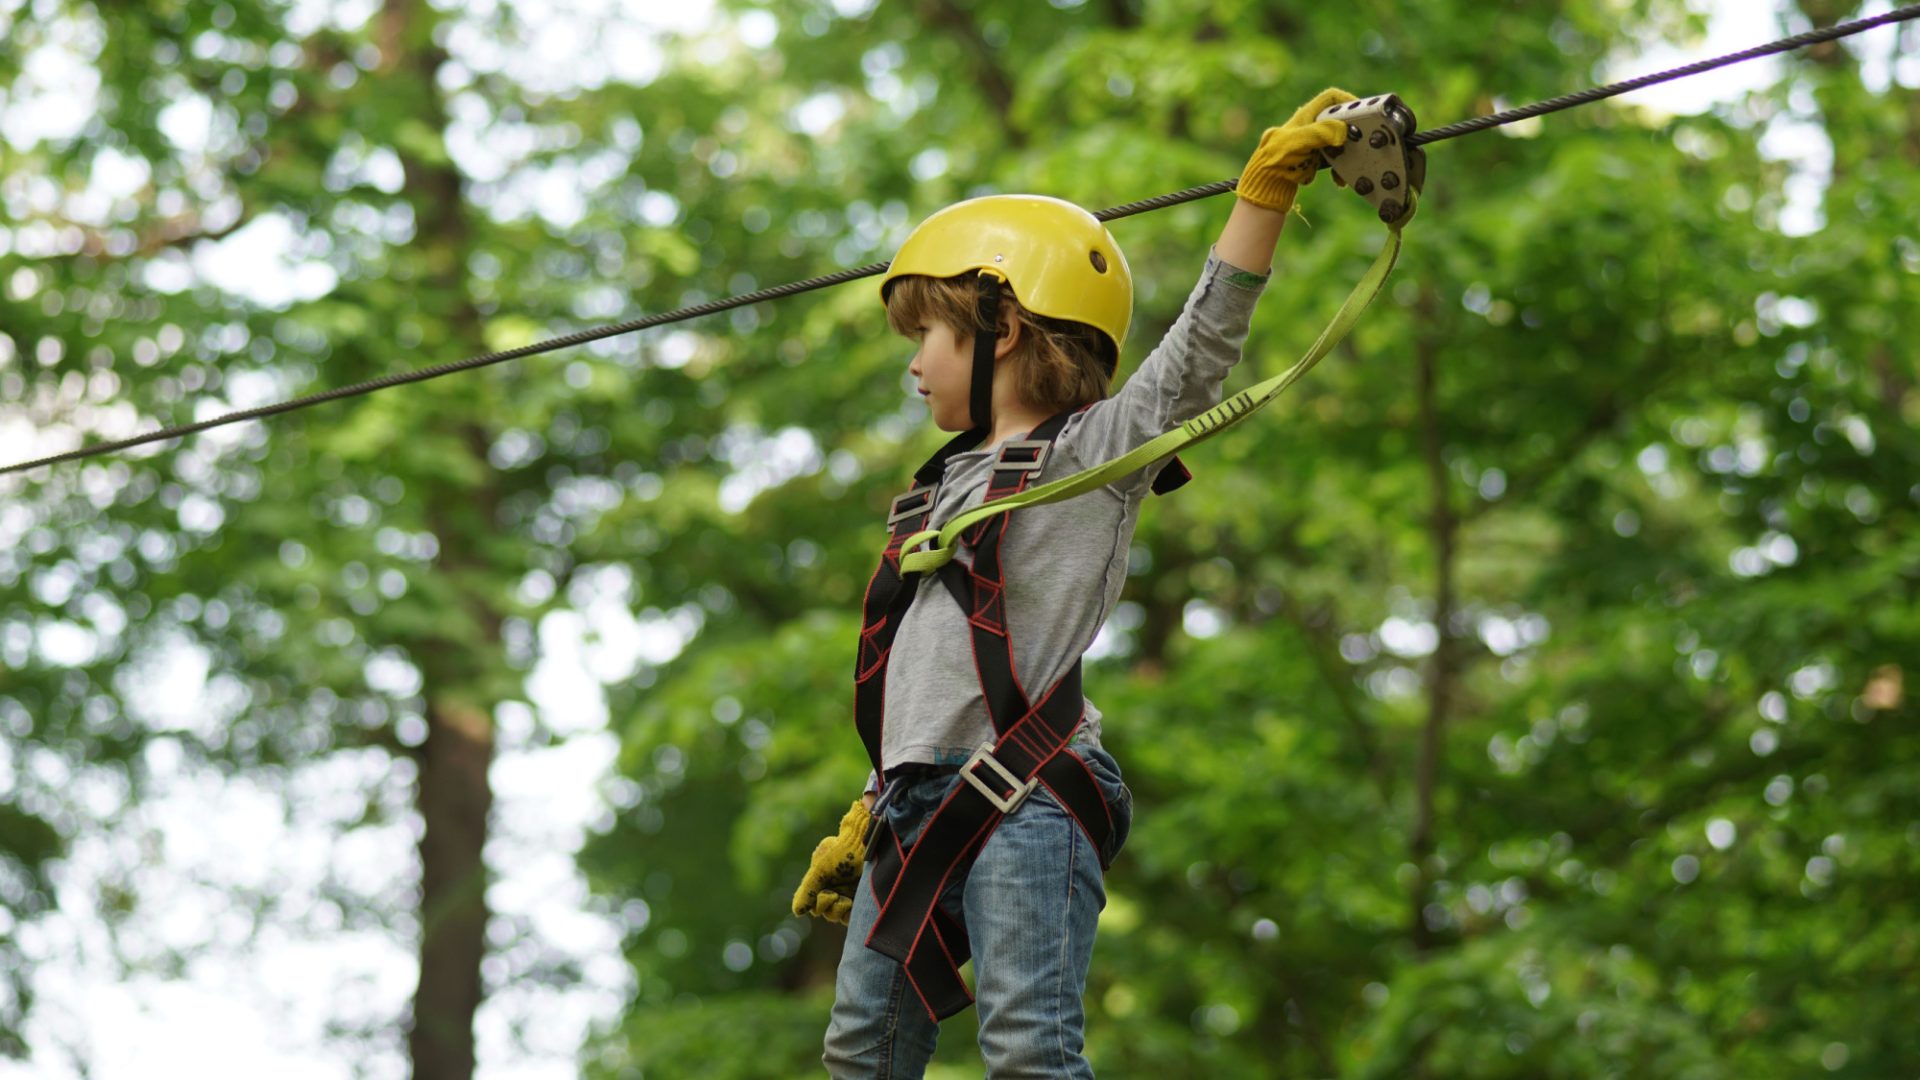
(890, 593)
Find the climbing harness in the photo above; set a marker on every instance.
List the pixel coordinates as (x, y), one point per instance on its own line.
(1029, 749)
(1450, 131)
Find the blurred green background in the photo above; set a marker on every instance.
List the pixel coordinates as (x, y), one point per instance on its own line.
(1525, 695)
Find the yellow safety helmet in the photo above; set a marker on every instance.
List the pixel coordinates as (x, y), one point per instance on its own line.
(1058, 259)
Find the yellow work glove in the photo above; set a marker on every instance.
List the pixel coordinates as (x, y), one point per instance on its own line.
(827, 890)
(1288, 155)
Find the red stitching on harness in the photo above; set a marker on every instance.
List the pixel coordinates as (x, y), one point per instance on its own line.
(1022, 736)
(919, 993)
(990, 613)
(869, 648)
(970, 848)
(933, 920)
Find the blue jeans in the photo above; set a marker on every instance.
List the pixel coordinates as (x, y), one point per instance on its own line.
(1031, 904)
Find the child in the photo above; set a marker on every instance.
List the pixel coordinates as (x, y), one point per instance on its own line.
(1019, 305)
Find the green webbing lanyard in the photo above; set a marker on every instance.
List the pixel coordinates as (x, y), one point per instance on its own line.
(1200, 428)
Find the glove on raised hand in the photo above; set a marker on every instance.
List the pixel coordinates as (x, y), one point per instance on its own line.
(1287, 156)
(826, 891)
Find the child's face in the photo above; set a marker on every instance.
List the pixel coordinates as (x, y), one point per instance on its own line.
(943, 368)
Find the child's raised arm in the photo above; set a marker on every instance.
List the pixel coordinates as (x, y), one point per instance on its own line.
(1183, 375)
(1285, 159)
(1248, 239)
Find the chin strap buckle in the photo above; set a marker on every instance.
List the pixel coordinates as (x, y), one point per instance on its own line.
(1376, 161)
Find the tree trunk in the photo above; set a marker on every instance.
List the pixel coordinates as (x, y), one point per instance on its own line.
(454, 795)
(453, 799)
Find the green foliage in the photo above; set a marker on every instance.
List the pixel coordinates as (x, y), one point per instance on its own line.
(743, 1036)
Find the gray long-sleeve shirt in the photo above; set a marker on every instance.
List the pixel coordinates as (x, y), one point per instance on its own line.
(1065, 561)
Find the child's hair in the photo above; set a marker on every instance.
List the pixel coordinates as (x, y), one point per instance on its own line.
(1059, 364)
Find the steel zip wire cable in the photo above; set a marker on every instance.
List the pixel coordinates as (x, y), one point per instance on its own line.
(1568, 101)
(1450, 131)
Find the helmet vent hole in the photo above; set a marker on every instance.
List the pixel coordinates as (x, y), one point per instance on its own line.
(1099, 261)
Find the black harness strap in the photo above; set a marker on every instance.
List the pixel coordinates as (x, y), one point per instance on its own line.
(889, 595)
(1172, 477)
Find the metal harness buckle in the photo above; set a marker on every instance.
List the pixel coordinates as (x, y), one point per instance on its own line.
(1038, 447)
(1011, 801)
(917, 501)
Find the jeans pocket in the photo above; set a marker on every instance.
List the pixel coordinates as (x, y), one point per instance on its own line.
(1106, 774)
(907, 812)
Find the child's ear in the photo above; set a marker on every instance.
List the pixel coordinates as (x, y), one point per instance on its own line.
(1009, 336)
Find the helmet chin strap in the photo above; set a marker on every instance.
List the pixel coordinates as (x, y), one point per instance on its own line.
(981, 394)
